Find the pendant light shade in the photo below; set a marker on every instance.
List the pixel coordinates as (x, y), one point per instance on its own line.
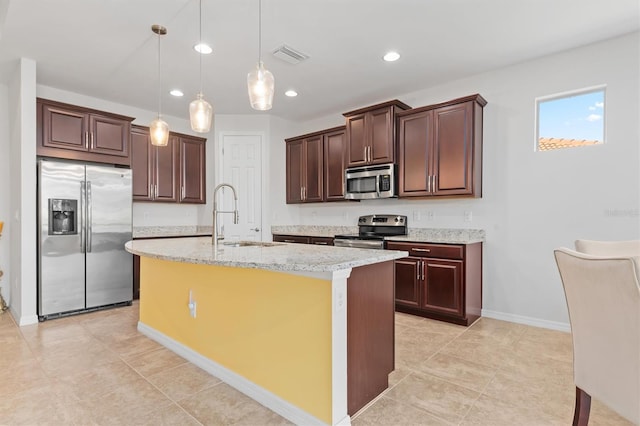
(159, 129)
(200, 111)
(159, 132)
(260, 81)
(261, 86)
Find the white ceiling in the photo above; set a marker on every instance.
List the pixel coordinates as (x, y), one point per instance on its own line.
(105, 48)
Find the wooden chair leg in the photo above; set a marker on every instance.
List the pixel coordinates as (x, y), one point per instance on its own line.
(583, 408)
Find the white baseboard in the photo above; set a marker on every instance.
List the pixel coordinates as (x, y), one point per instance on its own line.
(236, 381)
(520, 319)
(23, 319)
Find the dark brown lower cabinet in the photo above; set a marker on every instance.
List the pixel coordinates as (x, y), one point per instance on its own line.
(439, 281)
(370, 333)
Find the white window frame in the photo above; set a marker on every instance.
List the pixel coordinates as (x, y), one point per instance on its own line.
(567, 94)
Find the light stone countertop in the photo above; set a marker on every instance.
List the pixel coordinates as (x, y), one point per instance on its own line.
(171, 231)
(278, 257)
(313, 230)
(418, 235)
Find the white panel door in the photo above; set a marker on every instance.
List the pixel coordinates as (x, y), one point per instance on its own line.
(242, 168)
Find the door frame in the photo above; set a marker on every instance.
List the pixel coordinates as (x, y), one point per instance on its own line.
(219, 173)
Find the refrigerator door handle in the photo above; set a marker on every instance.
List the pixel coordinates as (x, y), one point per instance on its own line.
(83, 202)
(89, 218)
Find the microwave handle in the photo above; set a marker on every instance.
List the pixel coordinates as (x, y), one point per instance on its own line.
(378, 186)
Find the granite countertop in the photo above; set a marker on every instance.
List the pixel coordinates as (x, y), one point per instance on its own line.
(275, 257)
(418, 235)
(171, 231)
(313, 230)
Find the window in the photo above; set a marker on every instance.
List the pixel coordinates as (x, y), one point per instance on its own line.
(569, 120)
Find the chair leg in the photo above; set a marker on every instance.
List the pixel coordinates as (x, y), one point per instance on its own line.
(583, 407)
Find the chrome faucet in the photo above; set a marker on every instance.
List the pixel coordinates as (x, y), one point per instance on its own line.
(215, 236)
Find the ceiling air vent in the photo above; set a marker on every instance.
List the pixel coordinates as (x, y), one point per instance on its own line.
(289, 54)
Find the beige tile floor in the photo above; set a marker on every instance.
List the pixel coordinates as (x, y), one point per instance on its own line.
(96, 369)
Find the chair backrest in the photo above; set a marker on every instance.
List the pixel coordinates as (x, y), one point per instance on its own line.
(603, 297)
(609, 248)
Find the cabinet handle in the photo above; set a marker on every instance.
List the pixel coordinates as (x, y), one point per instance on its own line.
(155, 195)
(423, 270)
(421, 250)
(304, 191)
(429, 183)
(418, 270)
(301, 194)
(365, 154)
(86, 139)
(320, 243)
(182, 191)
(91, 137)
(289, 241)
(435, 185)
(369, 155)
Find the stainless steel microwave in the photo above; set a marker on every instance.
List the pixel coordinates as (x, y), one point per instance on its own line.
(370, 182)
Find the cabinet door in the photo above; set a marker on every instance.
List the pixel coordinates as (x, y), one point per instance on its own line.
(334, 165)
(108, 135)
(192, 170)
(408, 281)
(442, 290)
(295, 170)
(313, 182)
(141, 164)
(414, 150)
(165, 171)
(357, 142)
(380, 128)
(64, 128)
(453, 150)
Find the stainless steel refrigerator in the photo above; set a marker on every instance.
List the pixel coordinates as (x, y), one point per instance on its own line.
(84, 220)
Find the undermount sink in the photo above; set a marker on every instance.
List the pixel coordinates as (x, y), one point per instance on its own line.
(250, 244)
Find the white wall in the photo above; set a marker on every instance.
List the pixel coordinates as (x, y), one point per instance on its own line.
(22, 117)
(5, 192)
(532, 201)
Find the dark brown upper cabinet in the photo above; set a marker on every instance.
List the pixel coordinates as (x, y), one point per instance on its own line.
(335, 161)
(192, 166)
(315, 166)
(76, 133)
(172, 174)
(305, 169)
(440, 149)
(371, 133)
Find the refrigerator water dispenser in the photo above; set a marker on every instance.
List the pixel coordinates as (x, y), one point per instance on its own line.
(63, 216)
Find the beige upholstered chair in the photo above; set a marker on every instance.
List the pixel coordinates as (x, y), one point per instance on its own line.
(603, 297)
(609, 248)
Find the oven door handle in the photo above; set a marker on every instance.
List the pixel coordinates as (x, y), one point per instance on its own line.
(368, 244)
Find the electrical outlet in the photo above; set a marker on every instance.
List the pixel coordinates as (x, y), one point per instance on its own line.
(468, 216)
(192, 305)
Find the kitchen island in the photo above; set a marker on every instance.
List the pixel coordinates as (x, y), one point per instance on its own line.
(307, 331)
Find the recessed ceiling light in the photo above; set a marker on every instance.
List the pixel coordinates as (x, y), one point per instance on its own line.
(177, 93)
(203, 48)
(291, 93)
(391, 56)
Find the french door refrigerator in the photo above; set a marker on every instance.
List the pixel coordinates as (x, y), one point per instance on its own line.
(84, 220)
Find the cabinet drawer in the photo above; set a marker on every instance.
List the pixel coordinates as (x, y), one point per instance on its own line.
(444, 251)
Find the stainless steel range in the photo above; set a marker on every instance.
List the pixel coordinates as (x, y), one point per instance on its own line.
(372, 229)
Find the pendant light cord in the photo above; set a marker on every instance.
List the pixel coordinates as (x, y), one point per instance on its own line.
(200, 47)
(159, 80)
(259, 32)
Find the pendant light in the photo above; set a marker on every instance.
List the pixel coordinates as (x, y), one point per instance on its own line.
(159, 129)
(260, 82)
(200, 111)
